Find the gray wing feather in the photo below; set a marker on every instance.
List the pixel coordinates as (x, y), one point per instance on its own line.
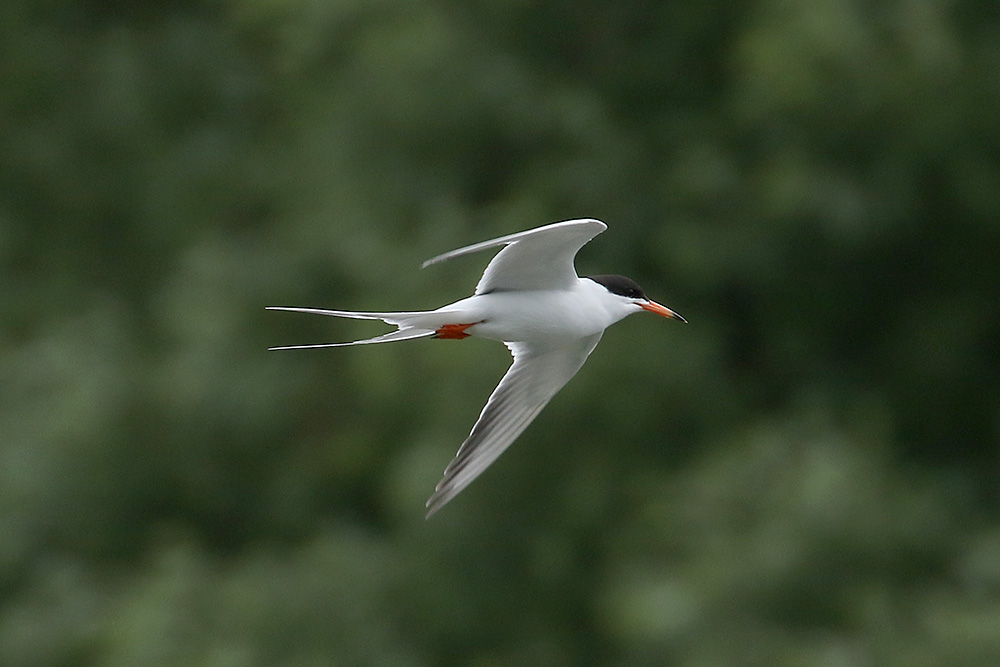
(536, 375)
(540, 258)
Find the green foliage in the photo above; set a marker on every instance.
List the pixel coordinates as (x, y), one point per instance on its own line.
(804, 475)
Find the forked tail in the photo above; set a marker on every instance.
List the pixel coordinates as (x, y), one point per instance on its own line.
(417, 324)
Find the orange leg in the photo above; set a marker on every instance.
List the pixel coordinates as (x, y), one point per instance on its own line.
(453, 331)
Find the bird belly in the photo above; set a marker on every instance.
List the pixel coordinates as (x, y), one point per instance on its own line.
(545, 316)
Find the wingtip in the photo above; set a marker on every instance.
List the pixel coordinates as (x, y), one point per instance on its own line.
(432, 505)
(441, 497)
(585, 221)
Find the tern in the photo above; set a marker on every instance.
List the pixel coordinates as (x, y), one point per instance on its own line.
(531, 299)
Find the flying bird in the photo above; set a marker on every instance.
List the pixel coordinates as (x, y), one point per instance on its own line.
(531, 299)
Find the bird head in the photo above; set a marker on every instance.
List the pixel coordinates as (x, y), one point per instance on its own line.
(629, 290)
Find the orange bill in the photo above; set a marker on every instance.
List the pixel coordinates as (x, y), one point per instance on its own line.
(654, 307)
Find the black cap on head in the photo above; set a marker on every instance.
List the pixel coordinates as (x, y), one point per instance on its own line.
(620, 285)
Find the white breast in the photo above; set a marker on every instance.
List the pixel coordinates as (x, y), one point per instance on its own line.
(543, 316)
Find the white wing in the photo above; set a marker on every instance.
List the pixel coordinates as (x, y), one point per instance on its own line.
(540, 258)
(536, 375)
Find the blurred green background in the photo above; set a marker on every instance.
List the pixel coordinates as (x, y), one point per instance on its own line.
(806, 474)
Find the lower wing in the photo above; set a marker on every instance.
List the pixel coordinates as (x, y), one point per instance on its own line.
(536, 375)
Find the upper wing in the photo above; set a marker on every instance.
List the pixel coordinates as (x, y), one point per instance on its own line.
(540, 258)
(532, 380)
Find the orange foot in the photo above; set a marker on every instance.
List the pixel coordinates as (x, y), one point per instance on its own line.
(453, 331)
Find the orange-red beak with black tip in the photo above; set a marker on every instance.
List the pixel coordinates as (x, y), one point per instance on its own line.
(654, 307)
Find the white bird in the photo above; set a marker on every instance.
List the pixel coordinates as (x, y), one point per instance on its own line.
(532, 300)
